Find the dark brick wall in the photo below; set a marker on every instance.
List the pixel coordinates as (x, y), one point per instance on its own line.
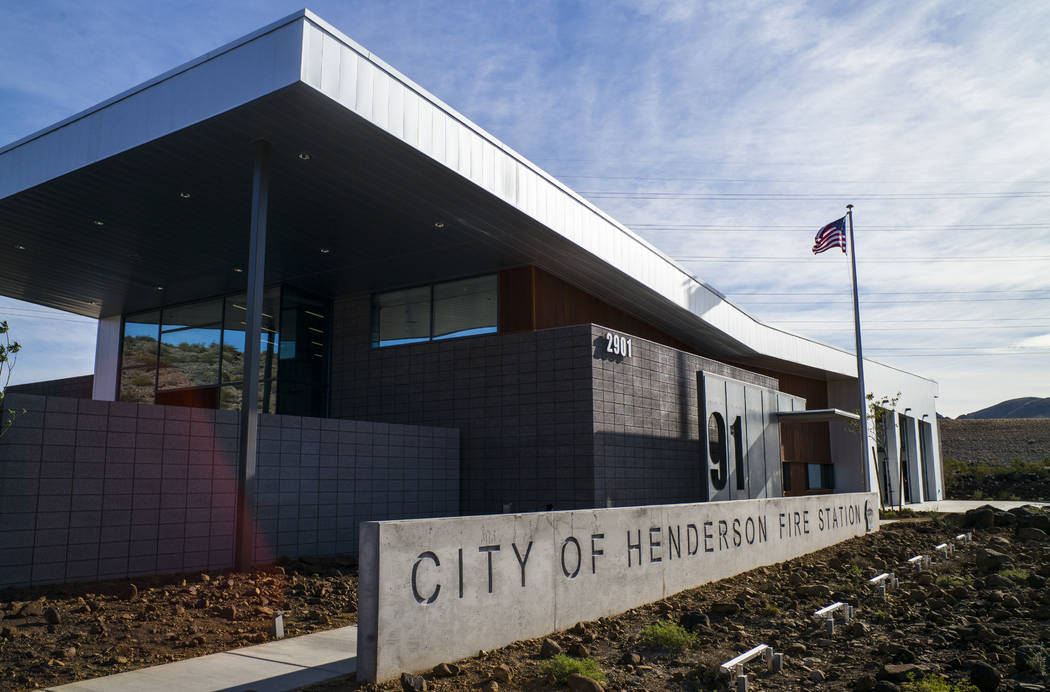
(74, 387)
(646, 429)
(522, 403)
(97, 490)
(546, 417)
(318, 478)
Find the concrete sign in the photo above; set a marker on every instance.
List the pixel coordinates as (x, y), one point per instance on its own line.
(434, 590)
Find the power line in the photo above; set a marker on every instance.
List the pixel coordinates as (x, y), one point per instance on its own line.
(722, 228)
(886, 293)
(962, 355)
(790, 181)
(870, 260)
(784, 196)
(1026, 321)
(910, 329)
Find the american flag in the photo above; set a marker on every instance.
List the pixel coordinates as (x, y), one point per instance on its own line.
(832, 235)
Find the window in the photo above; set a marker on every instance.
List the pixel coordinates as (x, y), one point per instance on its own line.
(138, 374)
(193, 354)
(820, 477)
(441, 311)
(401, 317)
(465, 308)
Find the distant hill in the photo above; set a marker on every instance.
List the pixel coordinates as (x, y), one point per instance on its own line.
(1025, 407)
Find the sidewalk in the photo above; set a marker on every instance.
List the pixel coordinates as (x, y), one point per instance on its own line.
(277, 666)
(959, 506)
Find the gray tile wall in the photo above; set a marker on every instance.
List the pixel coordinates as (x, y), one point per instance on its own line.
(317, 479)
(547, 417)
(76, 387)
(97, 490)
(646, 429)
(522, 403)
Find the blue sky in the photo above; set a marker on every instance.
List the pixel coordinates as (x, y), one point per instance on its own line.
(725, 133)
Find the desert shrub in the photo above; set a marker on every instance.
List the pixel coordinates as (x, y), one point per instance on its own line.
(880, 616)
(949, 580)
(932, 682)
(666, 635)
(1014, 573)
(561, 667)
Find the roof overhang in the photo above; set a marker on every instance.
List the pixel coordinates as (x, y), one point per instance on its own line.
(388, 161)
(821, 415)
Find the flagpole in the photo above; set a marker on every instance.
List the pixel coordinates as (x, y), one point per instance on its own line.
(860, 358)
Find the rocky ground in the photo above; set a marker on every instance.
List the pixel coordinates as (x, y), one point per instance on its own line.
(984, 611)
(968, 484)
(57, 634)
(981, 614)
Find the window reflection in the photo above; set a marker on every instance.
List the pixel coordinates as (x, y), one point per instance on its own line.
(465, 308)
(193, 355)
(138, 375)
(442, 311)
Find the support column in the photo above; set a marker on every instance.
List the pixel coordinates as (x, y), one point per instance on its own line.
(249, 421)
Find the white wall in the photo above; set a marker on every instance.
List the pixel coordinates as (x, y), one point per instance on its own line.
(915, 393)
(107, 359)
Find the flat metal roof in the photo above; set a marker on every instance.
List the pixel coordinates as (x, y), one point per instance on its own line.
(143, 199)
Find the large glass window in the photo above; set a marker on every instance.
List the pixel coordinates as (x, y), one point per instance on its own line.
(138, 373)
(441, 311)
(193, 354)
(402, 317)
(465, 308)
(190, 342)
(232, 372)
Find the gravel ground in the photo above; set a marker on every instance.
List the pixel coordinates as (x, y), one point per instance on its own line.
(57, 634)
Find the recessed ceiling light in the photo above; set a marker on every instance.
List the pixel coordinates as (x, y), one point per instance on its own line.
(238, 270)
(325, 251)
(439, 224)
(304, 156)
(160, 288)
(185, 195)
(20, 247)
(99, 222)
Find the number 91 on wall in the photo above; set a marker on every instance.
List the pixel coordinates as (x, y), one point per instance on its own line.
(617, 345)
(740, 437)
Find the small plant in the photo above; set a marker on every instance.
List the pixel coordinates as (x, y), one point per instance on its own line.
(770, 610)
(932, 682)
(950, 580)
(666, 635)
(1014, 573)
(880, 616)
(561, 667)
(8, 355)
(855, 571)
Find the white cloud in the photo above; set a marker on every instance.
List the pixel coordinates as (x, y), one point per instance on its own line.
(1041, 341)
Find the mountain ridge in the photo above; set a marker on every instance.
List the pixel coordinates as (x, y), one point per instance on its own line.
(1022, 407)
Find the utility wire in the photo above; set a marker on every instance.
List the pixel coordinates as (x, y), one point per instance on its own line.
(869, 260)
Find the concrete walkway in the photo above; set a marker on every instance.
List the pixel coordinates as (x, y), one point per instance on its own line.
(277, 666)
(959, 506)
